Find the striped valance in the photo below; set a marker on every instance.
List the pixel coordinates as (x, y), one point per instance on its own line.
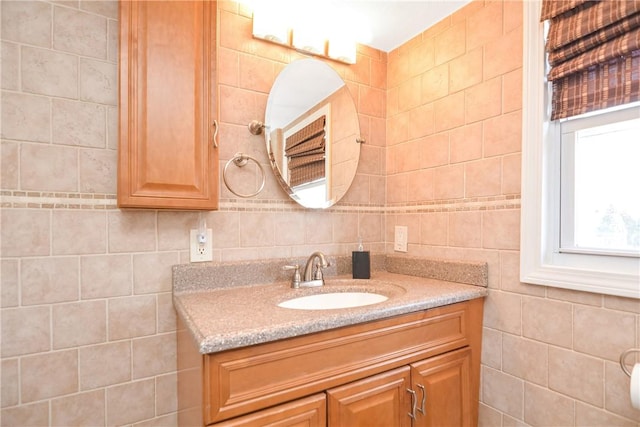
(594, 51)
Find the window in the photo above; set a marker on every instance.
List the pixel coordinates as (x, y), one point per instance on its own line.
(579, 225)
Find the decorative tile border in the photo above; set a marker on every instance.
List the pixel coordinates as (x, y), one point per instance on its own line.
(57, 200)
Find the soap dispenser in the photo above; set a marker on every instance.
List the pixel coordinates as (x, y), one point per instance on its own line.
(360, 262)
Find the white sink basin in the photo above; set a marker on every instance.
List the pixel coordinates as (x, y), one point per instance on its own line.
(333, 300)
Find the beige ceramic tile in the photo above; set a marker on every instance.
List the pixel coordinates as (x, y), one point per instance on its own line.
(509, 276)
(47, 72)
(409, 94)
(603, 333)
(174, 228)
(396, 188)
(448, 182)
(98, 81)
(616, 393)
(289, 228)
(450, 43)
(503, 54)
(105, 364)
(422, 57)
(483, 101)
(112, 128)
(9, 168)
(48, 168)
(80, 33)
(587, 415)
(422, 121)
(466, 143)
(569, 295)
(502, 392)
(25, 330)
(512, 15)
(558, 409)
(435, 83)
(434, 151)
(113, 30)
(84, 409)
(132, 317)
(478, 32)
(512, 91)
(503, 134)
(502, 311)
(166, 313)
(508, 421)
(511, 173)
(10, 379)
(345, 228)
(547, 321)
(9, 283)
(36, 414)
(370, 227)
(525, 359)
(152, 272)
(98, 170)
(154, 355)
(78, 123)
(450, 112)
(247, 105)
(48, 375)
(488, 417)
(371, 160)
(28, 226)
(49, 280)
(578, 376)
(622, 303)
(94, 283)
(465, 71)
(483, 177)
(463, 229)
(27, 22)
(25, 117)
(420, 186)
(170, 420)
(108, 8)
(371, 101)
(132, 231)
(501, 229)
(130, 402)
(10, 66)
(257, 229)
(228, 67)
(166, 394)
(318, 228)
(82, 323)
(88, 229)
(256, 73)
(492, 348)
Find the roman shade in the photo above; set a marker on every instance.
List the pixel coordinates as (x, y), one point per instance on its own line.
(305, 150)
(594, 54)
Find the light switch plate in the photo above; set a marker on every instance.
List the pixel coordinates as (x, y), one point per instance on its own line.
(201, 252)
(401, 238)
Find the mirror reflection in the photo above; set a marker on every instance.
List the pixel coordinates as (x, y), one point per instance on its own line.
(311, 133)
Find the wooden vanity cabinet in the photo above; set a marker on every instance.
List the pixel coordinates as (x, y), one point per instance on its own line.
(364, 371)
(167, 98)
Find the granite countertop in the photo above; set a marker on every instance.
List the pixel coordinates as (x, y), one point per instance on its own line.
(223, 318)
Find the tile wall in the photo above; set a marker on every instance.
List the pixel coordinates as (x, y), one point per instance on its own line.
(550, 356)
(88, 331)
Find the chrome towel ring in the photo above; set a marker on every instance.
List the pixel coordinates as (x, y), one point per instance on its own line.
(624, 356)
(240, 160)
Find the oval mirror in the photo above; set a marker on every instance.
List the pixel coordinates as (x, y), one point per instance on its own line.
(311, 133)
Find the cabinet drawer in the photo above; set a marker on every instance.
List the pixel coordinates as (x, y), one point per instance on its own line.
(310, 411)
(252, 378)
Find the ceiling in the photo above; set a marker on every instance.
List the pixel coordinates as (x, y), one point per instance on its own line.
(393, 22)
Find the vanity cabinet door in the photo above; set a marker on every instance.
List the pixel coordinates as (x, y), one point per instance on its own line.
(308, 412)
(166, 156)
(445, 382)
(378, 401)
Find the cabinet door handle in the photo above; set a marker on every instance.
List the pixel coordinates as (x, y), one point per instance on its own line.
(424, 399)
(414, 402)
(214, 138)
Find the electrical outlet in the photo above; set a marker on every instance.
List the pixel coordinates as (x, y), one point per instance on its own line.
(401, 238)
(201, 252)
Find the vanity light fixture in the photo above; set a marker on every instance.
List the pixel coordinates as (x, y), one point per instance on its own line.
(273, 24)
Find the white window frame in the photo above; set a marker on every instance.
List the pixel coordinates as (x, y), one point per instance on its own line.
(541, 262)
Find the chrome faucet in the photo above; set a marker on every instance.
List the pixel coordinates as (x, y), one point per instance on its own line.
(314, 268)
(312, 272)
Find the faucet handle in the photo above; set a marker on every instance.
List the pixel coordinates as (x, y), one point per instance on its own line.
(317, 275)
(295, 280)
